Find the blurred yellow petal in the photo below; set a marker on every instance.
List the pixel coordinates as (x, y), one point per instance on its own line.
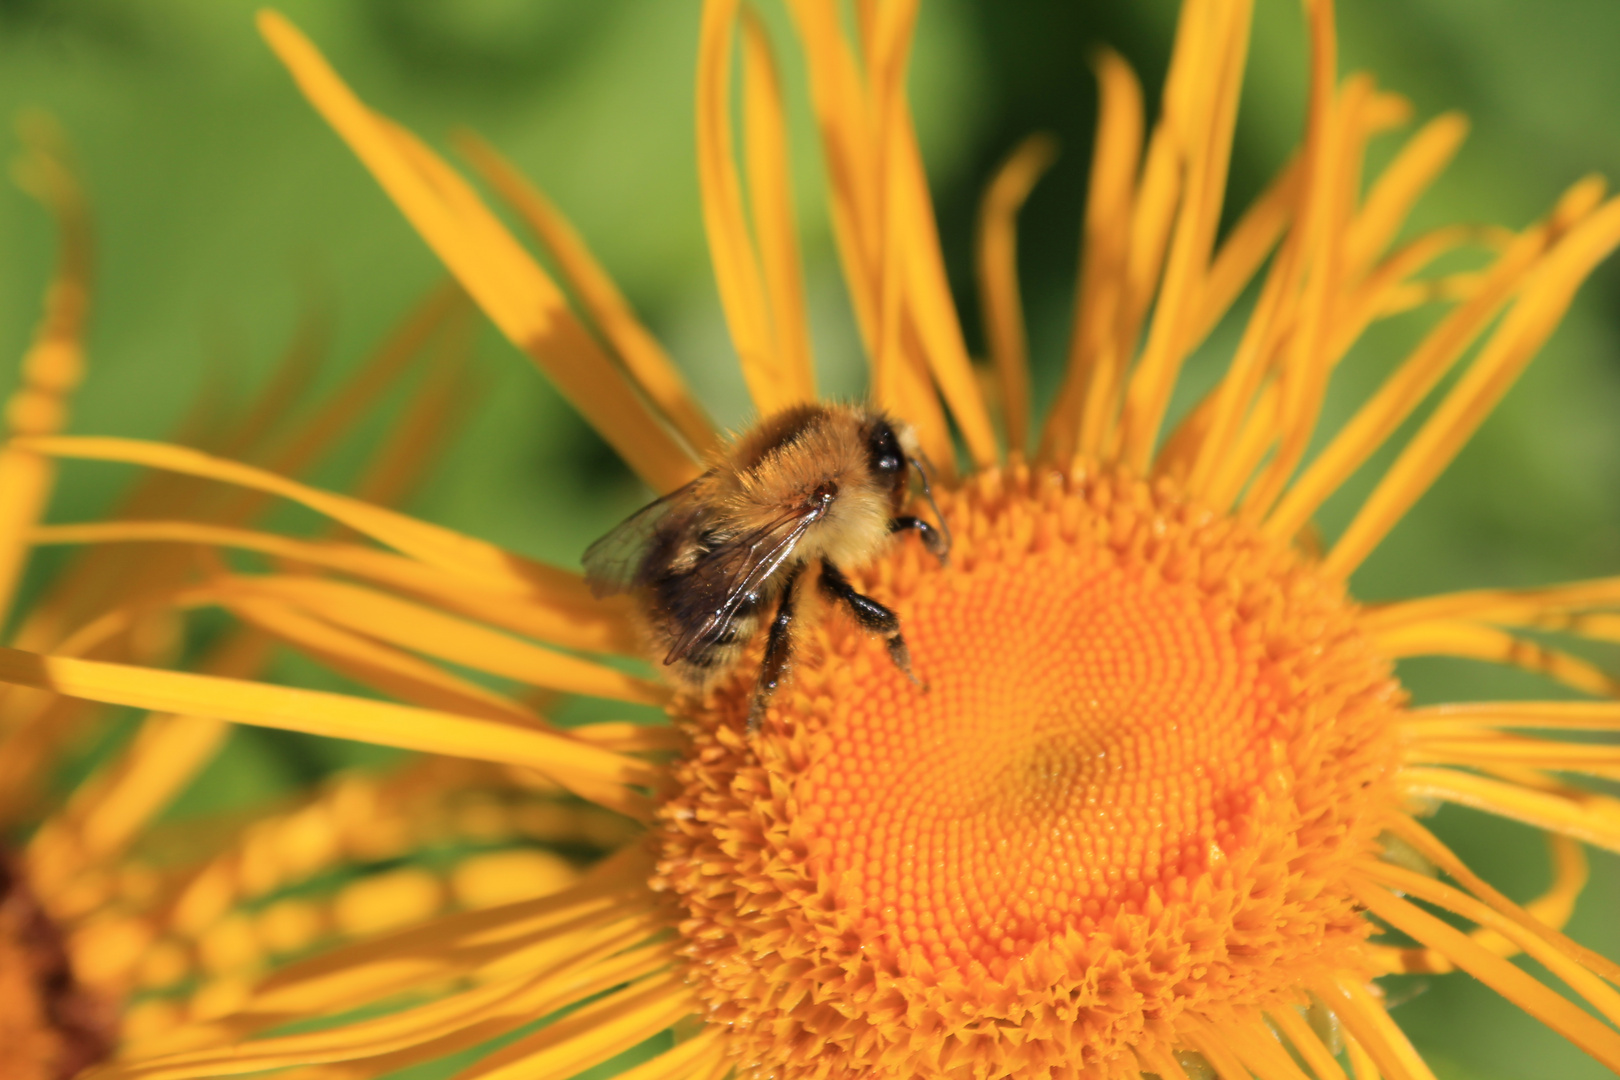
(655, 373)
(770, 197)
(1402, 392)
(1527, 325)
(558, 609)
(107, 811)
(1083, 413)
(425, 630)
(482, 562)
(500, 276)
(846, 124)
(54, 363)
(997, 264)
(928, 300)
(1391, 198)
(435, 314)
(731, 248)
(390, 671)
(1204, 125)
(323, 714)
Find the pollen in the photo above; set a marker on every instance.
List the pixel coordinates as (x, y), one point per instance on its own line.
(1146, 744)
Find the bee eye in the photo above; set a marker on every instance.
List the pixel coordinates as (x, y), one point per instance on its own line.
(883, 451)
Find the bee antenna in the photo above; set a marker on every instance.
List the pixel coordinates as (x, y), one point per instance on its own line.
(920, 463)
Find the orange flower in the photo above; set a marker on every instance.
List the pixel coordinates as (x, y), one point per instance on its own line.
(1157, 812)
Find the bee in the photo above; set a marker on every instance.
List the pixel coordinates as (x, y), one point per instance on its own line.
(803, 494)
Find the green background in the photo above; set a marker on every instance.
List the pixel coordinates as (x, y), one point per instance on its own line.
(222, 203)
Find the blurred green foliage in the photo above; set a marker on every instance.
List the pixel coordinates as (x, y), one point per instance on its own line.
(223, 205)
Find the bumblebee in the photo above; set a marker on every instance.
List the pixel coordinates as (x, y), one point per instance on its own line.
(800, 496)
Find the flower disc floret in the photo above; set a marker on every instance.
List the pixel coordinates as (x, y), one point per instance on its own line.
(1149, 744)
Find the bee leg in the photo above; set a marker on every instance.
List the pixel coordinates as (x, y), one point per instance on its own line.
(872, 616)
(932, 538)
(778, 651)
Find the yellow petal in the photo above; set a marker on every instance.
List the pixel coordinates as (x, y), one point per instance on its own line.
(389, 671)
(452, 1023)
(1519, 607)
(770, 197)
(1245, 248)
(1403, 391)
(423, 629)
(416, 438)
(317, 713)
(1391, 198)
(1474, 715)
(560, 611)
(642, 355)
(593, 1034)
(304, 444)
(109, 809)
(928, 298)
(1084, 410)
(997, 264)
(580, 925)
(1369, 1031)
(1258, 1048)
(54, 362)
(850, 151)
(1500, 975)
(731, 248)
(1512, 933)
(511, 288)
(1306, 1042)
(687, 1059)
(1490, 748)
(245, 436)
(456, 552)
(1529, 323)
(1582, 815)
(1204, 124)
(1457, 637)
(1215, 1050)
(1569, 875)
(1303, 368)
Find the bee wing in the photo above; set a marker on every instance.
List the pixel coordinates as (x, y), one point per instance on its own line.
(614, 562)
(736, 569)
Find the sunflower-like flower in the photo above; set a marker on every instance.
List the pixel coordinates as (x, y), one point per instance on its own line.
(1157, 812)
(114, 925)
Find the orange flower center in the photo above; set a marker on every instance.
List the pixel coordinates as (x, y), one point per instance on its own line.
(1149, 742)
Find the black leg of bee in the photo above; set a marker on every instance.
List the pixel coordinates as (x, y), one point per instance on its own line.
(778, 651)
(872, 615)
(932, 538)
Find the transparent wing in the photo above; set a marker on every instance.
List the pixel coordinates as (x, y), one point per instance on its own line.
(735, 570)
(614, 562)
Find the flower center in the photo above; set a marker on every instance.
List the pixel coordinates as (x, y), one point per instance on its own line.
(1149, 742)
(1090, 733)
(50, 1026)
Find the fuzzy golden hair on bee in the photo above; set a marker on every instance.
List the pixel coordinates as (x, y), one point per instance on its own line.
(789, 503)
